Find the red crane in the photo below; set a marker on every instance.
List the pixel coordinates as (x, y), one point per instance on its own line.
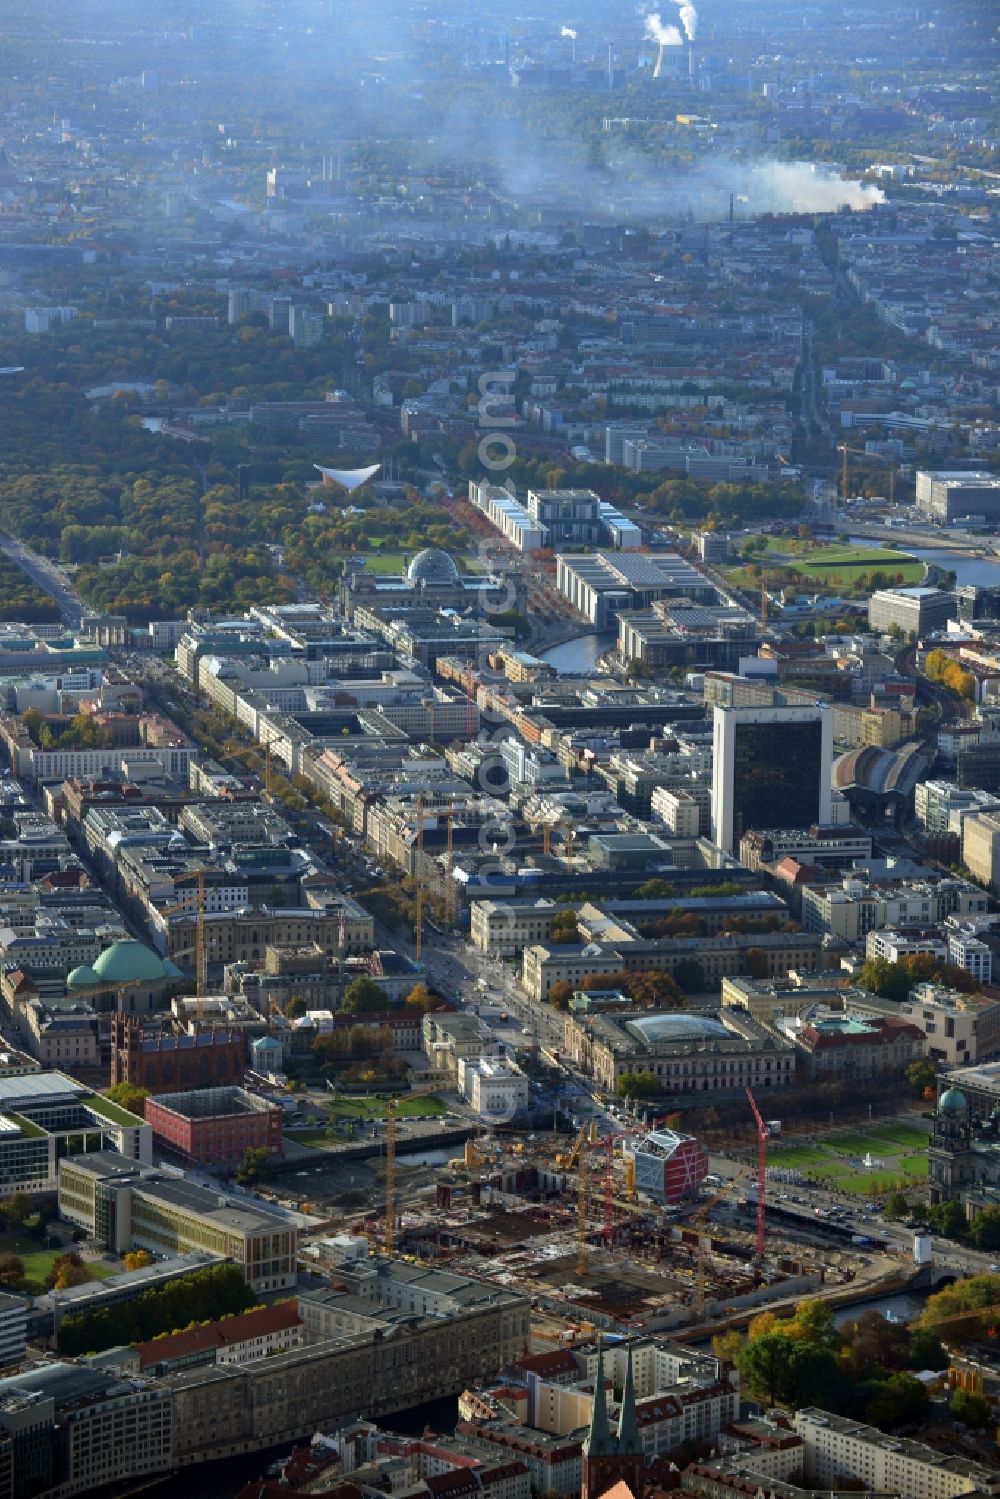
(761, 1174)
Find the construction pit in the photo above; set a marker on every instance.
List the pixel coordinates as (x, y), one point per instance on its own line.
(590, 1255)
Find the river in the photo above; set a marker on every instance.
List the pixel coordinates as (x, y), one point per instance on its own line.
(577, 657)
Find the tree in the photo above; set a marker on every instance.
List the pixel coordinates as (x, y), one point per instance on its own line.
(813, 1323)
(18, 1208)
(900, 1401)
(363, 995)
(129, 1096)
(253, 1166)
(814, 1377)
(655, 889)
(68, 1270)
(137, 1259)
(638, 1085)
(755, 963)
(976, 1295)
(896, 1206)
(11, 1270)
(729, 1345)
(766, 1365)
(872, 1345)
(560, 995)
(948, 1219)
(969, 1408)
(921, 1076)
(563, 930)
(926, 1350)
(985, 1229)
(420, 999)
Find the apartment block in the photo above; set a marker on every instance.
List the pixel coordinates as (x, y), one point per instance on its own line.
(838, 1450)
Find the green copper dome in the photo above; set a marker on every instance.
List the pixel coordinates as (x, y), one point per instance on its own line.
(952, 1101)
(83, 977)
(129, 962)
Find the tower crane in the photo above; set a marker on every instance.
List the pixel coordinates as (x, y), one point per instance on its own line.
(762, 1139)
(418, 928)
(389, 1236)
(200, 938)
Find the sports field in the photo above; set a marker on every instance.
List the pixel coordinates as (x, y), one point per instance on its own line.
(898, 1154)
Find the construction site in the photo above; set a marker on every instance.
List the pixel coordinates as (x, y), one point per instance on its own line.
(625, 1231)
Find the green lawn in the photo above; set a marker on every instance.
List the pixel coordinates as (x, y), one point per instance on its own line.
(798, 1155)
(859, 1145)
(903, 1134)
(38, 1262)
(374, 1108)
(851, 562)
(899, 1149)
(378, 560)
(310, 1137)
(384, 562)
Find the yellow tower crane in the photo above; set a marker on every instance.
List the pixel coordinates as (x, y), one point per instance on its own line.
(389, 1236)
(200, 936)
(418, 927)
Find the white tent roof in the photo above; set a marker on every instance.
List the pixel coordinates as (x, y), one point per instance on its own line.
(350, 478)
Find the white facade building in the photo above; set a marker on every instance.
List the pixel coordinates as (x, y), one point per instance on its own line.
(493, 1086)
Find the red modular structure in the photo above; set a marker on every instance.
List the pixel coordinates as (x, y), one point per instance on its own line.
(214, 1126)
(669, 1166)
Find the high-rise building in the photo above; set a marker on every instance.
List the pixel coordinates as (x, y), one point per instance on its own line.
(305, 325)
(771, 769)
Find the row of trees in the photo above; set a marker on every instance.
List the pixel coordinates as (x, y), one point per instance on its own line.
(219, 1291)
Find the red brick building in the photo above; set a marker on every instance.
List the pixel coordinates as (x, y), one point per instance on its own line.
(214, 1126)
(173, 1064)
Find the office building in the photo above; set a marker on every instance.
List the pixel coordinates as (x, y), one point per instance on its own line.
(73, 1429)
(771, 768)
(601, 585)
(42, 1112)
(214, 1126)
(13, 1330)
(952, 495)
(913, 611)
(981, 847)
(125, 1206)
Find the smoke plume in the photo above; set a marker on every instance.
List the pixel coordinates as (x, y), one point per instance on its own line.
(689, 19)
(568, 32)
(663, 36)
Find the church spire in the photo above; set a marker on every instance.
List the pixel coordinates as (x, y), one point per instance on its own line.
(599, 1441)
(628, 1424)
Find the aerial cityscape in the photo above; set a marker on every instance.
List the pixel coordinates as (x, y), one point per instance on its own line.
(499, 749)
